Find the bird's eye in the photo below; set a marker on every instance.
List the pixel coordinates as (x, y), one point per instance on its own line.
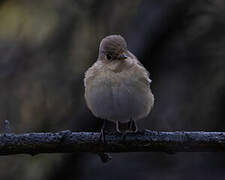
(108, 56)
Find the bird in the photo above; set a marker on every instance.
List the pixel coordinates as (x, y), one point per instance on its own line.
(117, 85)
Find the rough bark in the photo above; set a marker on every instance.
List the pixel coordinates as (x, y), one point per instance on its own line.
(146, 141)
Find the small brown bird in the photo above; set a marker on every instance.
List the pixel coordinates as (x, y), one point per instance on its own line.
(117, 86)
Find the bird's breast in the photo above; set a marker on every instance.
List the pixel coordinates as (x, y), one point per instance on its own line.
(118, 96)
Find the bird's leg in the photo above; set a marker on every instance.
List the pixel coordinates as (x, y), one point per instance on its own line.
(130, 125)
(130, 129)
(135, 126)
(118, 130)
(117, 127)
(102, 135)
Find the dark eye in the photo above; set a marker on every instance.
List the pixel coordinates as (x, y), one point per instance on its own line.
(108, 56)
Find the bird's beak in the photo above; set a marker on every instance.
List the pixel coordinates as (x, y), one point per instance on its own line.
(122, 56)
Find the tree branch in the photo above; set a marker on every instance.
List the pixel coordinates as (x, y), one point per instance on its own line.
(68, 142)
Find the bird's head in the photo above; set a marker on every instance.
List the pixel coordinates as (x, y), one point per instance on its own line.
(113, 47)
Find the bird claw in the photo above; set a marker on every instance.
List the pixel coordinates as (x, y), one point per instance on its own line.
(133, 127)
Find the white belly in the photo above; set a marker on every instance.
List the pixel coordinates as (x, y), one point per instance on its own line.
(119, 101)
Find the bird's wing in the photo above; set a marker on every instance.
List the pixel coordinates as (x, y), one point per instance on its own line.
(145, 73)
(91, 73)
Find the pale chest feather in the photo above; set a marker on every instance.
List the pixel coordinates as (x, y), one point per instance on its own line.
(115, 93)
(116, 75)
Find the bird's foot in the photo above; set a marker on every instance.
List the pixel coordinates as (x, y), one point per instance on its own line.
(133, 127)
(147, 131)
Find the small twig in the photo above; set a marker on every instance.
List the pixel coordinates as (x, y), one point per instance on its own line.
(105, 157)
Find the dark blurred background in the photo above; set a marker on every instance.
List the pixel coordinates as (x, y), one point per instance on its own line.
(45, 48)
